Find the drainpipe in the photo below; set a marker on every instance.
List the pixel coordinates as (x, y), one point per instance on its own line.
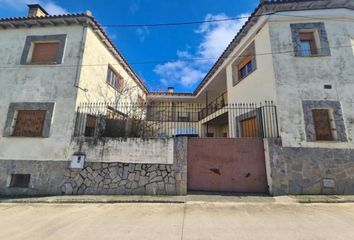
(80, 60)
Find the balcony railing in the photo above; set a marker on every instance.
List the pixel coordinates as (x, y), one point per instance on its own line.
(219, 103)
(167, 120)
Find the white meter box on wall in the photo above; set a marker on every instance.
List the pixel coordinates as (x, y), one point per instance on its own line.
(78, 161)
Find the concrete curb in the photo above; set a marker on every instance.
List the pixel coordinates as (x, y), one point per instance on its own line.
(303, 199)
(324, 201)
(190, 199)
(91, 200)
(95, 202)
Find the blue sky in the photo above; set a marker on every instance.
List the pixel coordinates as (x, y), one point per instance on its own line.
(170, 47)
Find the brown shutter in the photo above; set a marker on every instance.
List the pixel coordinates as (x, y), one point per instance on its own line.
(322, 124)
(243, 63)
(90, 128)
(29, 123)
(91, 121)
(45, 52)
(249, 127)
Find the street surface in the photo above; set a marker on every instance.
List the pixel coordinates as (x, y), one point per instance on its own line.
(198, 220)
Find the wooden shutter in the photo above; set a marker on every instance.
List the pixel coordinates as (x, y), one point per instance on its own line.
(91, 121)
(29, 123)
(249, 127)
(90, 128)
(322, 123)
(45, 52)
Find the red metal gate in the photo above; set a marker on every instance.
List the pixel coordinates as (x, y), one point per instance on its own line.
(227, 165)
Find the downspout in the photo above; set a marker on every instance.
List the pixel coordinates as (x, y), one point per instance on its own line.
(78, 73)
(80, 60)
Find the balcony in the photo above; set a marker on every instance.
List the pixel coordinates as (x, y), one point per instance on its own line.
(219, 103)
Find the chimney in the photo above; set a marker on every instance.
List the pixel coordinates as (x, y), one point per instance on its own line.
(171, 89)
(88, 13)
(36, 10)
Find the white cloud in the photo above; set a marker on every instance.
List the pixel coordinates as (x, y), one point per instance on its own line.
(142, 32)
(187, 75)
(215, 38)
(217, 35)
(18, 5)
(53, 8)
(134, 8)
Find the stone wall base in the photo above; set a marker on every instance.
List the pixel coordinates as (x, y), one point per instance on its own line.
(46, 177)
(309, 170)
(96, 178)
(119, 178)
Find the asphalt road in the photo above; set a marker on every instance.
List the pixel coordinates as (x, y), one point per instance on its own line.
(177, 221)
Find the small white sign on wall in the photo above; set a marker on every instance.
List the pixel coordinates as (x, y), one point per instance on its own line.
(328, 183)
(77, 161)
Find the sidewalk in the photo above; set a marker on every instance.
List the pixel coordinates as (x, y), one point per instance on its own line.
(191, 198)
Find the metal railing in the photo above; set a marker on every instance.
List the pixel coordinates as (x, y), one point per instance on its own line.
(165, 119)
(217, 104)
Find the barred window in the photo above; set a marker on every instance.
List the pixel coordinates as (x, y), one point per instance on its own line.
(20, 180)
(29, 123)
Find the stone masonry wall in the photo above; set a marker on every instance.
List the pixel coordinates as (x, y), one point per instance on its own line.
(46, 177)
(122, 178)
(56, 178)
(309, 170)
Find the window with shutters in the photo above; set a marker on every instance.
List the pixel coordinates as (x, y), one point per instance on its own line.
(310, 39)
(114, 79)
(245, 65)
(322, 123)
(44, 49)
(90, 128)
(29, 123)
(44, 52)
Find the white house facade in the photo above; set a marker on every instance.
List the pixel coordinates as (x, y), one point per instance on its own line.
(284, 86)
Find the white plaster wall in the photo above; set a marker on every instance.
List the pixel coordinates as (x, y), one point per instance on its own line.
(38, 83)
(260, 84)
(300, 78)
(96, 59)
(130, 150)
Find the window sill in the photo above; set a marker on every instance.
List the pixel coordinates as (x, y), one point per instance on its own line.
(327, 141)
(312, 56)
(12, 136)
(117, 90)
(36, 64)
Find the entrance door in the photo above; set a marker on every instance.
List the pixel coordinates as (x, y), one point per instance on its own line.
(249, 127)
